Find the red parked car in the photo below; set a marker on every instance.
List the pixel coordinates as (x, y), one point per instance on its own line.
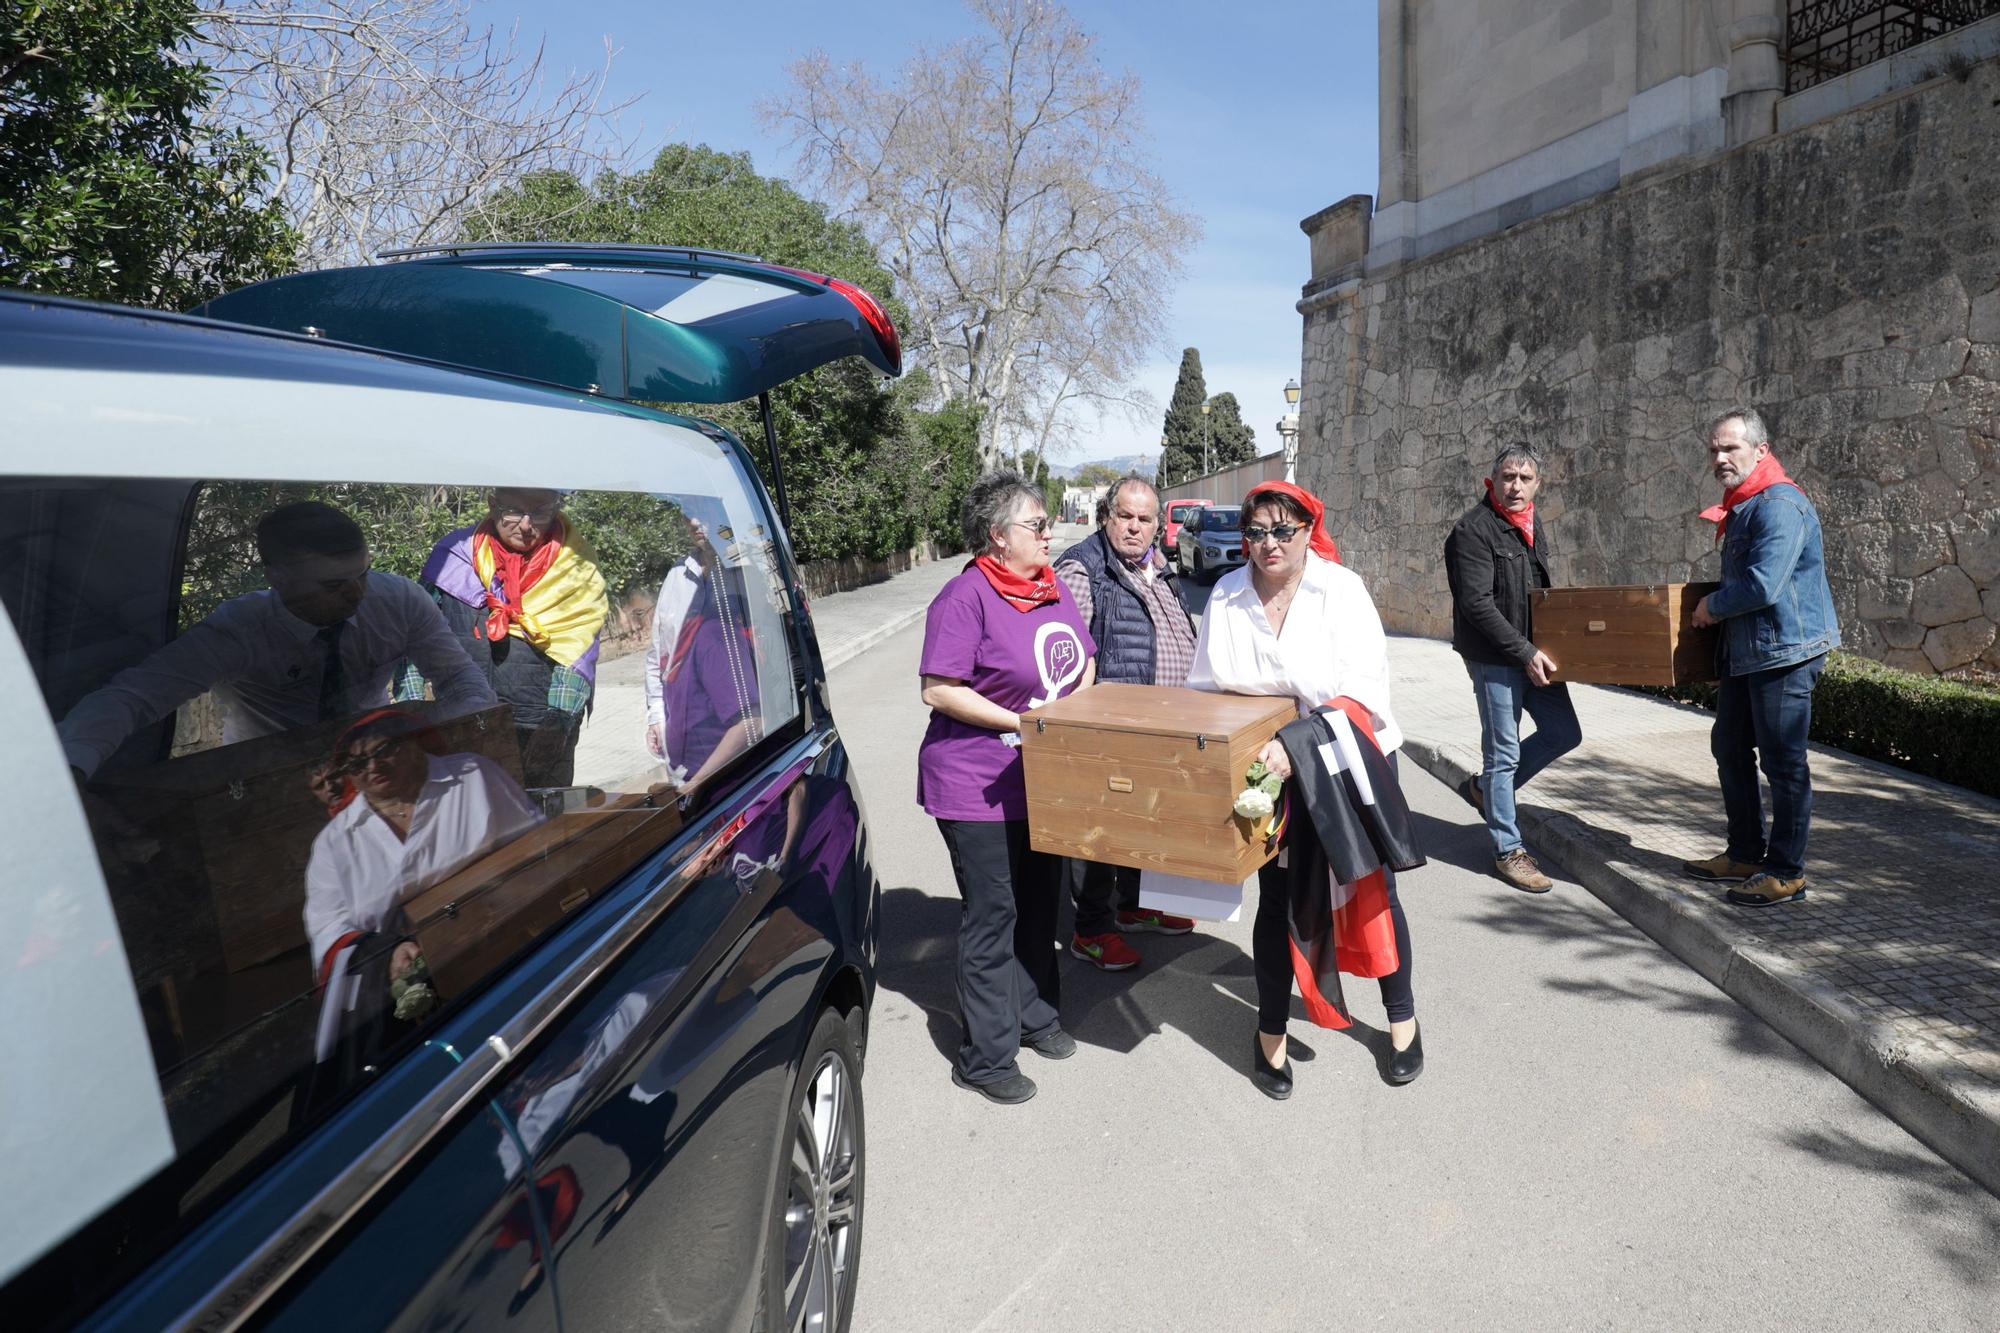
(1170, 524)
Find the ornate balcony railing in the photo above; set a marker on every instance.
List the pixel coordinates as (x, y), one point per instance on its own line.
(1826, 38)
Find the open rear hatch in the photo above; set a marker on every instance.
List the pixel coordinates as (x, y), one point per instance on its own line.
(642, 323)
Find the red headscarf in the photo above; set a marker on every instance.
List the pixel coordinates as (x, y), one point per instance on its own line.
(1322, 545)
(1768, 473)
(381, 722)
(1525, 520)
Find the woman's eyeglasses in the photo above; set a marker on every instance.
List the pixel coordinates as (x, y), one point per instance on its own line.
(1041, 527)
(541, 518)
(1283, 532)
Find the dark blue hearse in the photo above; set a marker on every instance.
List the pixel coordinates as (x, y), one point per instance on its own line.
(441, 898)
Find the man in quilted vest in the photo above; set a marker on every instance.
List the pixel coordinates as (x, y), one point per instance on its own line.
(1132, 601)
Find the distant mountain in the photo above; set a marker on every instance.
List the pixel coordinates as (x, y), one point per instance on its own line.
(1143, 464)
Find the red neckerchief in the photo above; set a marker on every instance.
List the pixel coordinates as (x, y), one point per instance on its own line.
(513, 573)
(1022, 593)
(1524, 521)
(1322, 544)
(1769, 472)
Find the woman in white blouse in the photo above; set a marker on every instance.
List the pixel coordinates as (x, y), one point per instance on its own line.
(1295, 621)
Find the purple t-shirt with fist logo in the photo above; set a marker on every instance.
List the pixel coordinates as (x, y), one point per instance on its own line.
(1019, 660)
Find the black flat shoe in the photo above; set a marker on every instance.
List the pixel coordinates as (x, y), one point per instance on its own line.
(1274, 1083)
(1406, 1064)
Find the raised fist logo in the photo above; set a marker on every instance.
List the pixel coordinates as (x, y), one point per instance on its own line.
(1060, 655)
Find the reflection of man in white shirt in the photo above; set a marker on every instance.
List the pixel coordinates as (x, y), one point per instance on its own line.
(677, 594)
(321, 642)
(416, 819)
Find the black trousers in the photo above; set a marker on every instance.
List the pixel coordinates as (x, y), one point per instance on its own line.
(1100, 893)
(1009, 985)
(1271, 952)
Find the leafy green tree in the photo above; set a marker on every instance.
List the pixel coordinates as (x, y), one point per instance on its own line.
(1230, 438)
(1096, 474)
(866, 472)
(110, 187)
(1180, 456)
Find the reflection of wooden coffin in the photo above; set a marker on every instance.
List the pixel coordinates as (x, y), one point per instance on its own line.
(243, 817)
(1146, 776)
(1638, 634)
(473, 921)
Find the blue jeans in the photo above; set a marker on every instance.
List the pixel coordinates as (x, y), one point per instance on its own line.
(1508, 762)
(1764, 716)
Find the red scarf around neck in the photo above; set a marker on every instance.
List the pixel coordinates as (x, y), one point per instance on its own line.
(1769, 472)
(513, 573)
(1022, 593)
(1525, 520)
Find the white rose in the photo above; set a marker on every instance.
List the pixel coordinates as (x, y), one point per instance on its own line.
(1253, 804)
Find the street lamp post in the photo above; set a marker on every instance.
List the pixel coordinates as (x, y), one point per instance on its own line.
(1288, 430)
(1206, 465)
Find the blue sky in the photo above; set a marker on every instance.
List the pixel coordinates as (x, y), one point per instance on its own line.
(1262, 112)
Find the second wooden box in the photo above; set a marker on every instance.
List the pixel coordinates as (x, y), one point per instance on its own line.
(1629, 634)
(1147, 776)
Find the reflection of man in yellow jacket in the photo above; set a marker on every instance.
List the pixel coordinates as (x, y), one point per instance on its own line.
(524, 583)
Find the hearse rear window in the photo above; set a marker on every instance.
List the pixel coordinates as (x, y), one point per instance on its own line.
(346, 749)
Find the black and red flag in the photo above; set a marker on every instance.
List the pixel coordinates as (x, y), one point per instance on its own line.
(1361, 828)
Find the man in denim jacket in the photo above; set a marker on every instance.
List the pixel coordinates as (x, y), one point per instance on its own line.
(1776, 614)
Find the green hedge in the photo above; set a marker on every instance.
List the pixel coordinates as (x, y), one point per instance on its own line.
(1945, 729)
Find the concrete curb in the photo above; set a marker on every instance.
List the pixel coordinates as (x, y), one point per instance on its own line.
(888, 629)
(1920, 1090)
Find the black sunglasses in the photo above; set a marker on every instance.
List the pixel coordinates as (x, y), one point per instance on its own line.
(1257, 532)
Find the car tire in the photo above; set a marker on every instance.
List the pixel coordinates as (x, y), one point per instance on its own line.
(813, 1252)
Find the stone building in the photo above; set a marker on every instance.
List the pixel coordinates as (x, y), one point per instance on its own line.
(1598, 223)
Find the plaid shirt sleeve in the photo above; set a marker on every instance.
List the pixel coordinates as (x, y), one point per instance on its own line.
(1077, 579)
(568, 690)
(1173, 634)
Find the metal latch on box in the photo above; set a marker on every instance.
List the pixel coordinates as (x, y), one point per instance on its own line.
(1595, 627)
(1119, 784)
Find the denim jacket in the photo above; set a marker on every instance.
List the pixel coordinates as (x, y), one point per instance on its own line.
(1774, 604)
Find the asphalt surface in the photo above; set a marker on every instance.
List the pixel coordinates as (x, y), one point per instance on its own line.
(1601, 1139)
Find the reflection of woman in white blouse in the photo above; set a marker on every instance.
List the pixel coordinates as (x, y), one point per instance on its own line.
(1295, 621)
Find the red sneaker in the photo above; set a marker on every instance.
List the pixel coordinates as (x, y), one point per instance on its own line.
(1107, 952)
(1145, 919)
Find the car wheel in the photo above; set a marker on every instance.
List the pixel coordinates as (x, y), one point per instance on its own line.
(817, 1246)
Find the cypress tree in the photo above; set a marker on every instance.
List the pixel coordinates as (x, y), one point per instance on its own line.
(1230, 438)
(1180, 456)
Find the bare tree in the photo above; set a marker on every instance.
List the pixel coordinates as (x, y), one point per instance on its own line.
(1004, 180)
(392, 121)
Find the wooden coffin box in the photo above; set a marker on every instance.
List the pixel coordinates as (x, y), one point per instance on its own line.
(1629, 634)
(1146, 776)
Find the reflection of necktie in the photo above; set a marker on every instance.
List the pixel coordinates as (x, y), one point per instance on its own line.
(332, 681)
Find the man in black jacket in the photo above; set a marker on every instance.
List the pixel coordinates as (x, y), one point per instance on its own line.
(1125, 590)
(1495, 558)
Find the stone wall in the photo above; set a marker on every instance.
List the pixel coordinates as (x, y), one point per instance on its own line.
(1843, 278)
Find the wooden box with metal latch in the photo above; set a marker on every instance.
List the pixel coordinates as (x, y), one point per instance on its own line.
(1147, 776)
(1633, 634)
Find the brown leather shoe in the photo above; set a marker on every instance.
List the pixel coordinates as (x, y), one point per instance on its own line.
(1721, 868)
(1519, 869)
(1768, 891)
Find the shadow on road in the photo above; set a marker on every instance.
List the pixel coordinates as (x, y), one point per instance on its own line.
(1931, 1191)
(1201, 984)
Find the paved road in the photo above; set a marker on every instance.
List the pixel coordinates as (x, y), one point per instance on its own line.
(1602, 1140)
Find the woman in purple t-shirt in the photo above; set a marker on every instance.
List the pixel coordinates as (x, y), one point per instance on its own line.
(1001, 638)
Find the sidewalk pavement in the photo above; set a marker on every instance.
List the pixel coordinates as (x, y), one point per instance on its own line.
(849, 623)
(1888, 973)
